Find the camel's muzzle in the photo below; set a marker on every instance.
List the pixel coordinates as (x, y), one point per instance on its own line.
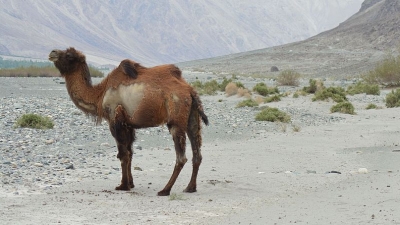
(53, 56)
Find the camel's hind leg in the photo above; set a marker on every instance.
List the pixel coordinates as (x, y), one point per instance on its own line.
(124, 136)
(179, 137)
(194, 134)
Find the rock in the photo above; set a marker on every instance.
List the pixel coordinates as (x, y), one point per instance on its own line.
(274, 69)
(70, 167)
(362, 170)
(137, 168)
(38, 164)
(49, 141)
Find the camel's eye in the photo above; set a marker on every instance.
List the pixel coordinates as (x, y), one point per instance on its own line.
(69, 56)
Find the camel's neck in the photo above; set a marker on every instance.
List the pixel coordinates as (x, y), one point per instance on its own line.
(85, 96)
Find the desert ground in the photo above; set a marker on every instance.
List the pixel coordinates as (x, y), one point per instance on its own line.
(336, 169)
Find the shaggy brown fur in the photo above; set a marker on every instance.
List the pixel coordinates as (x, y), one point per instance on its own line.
(133, 96)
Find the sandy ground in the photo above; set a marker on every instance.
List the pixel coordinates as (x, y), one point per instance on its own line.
(260, 177)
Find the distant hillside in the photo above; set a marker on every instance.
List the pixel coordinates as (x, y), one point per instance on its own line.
(355, 46)
(153, 32)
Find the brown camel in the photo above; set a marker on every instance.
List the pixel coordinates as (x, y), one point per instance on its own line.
(131, 97)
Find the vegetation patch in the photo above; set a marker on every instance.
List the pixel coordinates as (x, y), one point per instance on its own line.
(393, 99)
(288, 78)
(343, 107)
(34, 121)
(247, 103)
(371, 106)
(273, 115)
(315, 85)
(337, 94)
(273, 98)
(386, 72)
(360, 87)
(175, 196)
(264, 90)
(207, 88)
(47, 71)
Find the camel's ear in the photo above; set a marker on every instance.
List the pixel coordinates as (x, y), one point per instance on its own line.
(129, 68)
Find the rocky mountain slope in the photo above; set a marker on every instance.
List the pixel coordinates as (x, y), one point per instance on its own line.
(162, 31)
(355, 46)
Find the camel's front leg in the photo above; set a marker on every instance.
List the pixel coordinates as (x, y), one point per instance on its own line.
(124, 135)
(124, 157)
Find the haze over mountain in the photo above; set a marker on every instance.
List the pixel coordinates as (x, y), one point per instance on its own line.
(350, 49)
(153, 32)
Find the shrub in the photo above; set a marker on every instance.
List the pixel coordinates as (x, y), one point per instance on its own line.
(315, 85)
(264, 90)
(34, 121)
(208, 88)
(393, 99)
(369, 89)
(273, 98)
(386, 73)
(343, 107)
(288, 78)
(247, 103)
(243, 92)
(239, 84)
(273, 115)
(259, 99)
(223, 84)
(371, 106)
(231, 89)
(198, 85)
(337, 94)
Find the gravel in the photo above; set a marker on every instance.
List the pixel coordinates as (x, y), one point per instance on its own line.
(34, 161)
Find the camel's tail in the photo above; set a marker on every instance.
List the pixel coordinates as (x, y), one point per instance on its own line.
(198, 105)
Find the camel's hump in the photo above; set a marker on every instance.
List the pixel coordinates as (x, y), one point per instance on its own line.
(129, 68)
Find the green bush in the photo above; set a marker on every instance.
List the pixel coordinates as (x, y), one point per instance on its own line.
(337, 94)
(343, 107)
(247, 103)
(273, 115)
(386, 73)
(371, 106)
(393, 99)
(288, 78)
(239, 84)
(207, 88)
(314, 86)
(224, 83)
(369, 89)
(264, 90)
(34, 121)
(273, 98)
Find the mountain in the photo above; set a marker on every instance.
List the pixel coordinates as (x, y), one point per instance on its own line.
(350, 49)
(168, 31)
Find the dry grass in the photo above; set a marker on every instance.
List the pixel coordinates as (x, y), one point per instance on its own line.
(48, 71)
(288, 78)
(243, 92)
(231, 89)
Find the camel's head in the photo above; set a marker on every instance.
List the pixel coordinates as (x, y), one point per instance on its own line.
(66, 61)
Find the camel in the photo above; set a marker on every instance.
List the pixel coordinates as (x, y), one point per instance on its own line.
(132, 97)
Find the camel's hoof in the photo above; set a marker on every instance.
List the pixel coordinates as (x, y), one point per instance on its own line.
(190, 190)
(163, 193)
(123, 188)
